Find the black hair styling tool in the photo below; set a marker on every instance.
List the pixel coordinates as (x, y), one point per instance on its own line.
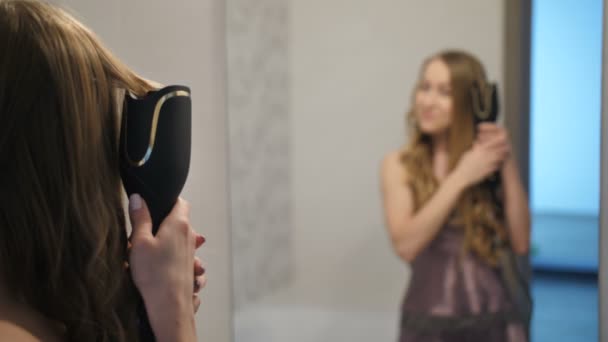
(155, 144)
(484, 99)
(514, 274)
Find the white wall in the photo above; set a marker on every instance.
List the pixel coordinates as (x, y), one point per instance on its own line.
(353, 65)
(182, 42)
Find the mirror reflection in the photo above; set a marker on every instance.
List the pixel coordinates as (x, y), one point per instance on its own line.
(375, 197)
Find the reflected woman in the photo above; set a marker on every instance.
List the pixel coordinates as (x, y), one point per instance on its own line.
(443, 220)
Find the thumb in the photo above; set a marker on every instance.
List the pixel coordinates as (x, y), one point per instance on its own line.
(141, 222)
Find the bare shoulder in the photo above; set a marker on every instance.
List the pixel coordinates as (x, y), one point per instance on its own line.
(12, 331)
(23, 325)
(392, 169)
(395, 190)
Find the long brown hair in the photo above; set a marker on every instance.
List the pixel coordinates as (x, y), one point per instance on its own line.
(478, 211)
(62, 229)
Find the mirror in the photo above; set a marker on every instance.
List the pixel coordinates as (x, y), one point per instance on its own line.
(317, 96)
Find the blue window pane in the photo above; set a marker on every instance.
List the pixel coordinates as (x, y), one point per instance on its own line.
(565, 106)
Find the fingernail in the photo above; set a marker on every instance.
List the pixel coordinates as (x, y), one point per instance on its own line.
(200, 270)
(201, 239)
(134, 202)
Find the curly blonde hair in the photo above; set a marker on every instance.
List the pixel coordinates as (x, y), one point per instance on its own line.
(478, 211)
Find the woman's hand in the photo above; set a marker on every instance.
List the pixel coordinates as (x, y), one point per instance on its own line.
(515, 198)
(200, 279)
(488, 131)
(486, 156)
(164, 270)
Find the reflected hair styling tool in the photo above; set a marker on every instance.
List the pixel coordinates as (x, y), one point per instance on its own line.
(484, 100)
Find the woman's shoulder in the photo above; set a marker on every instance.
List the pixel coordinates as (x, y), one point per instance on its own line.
(23, 326)
(394, 159)
(12, 331)
(392, 165)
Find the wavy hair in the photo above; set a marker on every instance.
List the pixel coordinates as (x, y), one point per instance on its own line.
(478, 211)
(63, 241)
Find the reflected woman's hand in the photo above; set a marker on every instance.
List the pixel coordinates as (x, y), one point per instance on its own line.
(485, 157)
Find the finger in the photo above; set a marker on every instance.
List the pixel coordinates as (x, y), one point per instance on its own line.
(483, 137)
(496, 167)
(491, 131)
(178, 219)
(197, 286)
(141, 221)
(496, 143)
(129, 248)
(180, 209)
(506, 150)
(492, 168)
(499, 156)
(196, 302)
(199, 283)
(487, 127)
(198, 267)
(200, 240)
(500, 160)
(486, 132)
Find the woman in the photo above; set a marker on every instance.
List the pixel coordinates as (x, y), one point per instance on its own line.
(66, 272)
(442, 216)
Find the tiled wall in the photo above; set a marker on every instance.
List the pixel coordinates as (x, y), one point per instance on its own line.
(258, 102)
